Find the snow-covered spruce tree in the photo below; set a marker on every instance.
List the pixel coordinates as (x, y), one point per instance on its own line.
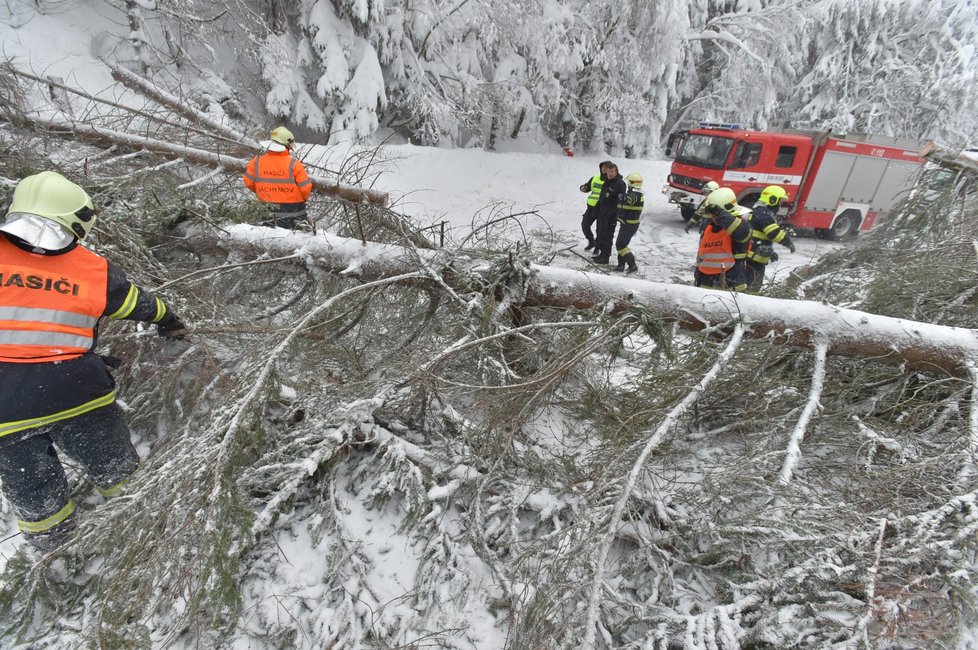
(885, 66)
(590, 76)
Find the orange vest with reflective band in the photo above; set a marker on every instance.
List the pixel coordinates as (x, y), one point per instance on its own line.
(277, 177)
(716, 252)
(49, 304)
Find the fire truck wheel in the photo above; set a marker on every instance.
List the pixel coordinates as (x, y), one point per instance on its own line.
(846, 225)
(686, 211)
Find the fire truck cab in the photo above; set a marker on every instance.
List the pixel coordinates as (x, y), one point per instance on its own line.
(837, 185)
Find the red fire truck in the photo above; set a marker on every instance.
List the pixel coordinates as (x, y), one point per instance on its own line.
(837, 185)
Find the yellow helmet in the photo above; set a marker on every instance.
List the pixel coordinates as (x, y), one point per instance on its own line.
(634, 179)
(49, 211)
(709, 186)
(772, 195)
(723, 197)
(282, 135)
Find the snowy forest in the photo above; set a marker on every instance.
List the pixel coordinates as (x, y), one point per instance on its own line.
(591, 76)
(378, 437)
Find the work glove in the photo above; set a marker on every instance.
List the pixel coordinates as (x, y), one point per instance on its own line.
(112, 362)
(774, 257)
(171, 328)
(790, 245)
(689, 224)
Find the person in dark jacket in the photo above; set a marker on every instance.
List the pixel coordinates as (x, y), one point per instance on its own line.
(55, 389)
(612, 193)
(723, 244)
(629, 216)
(593, 189)
(765, 232)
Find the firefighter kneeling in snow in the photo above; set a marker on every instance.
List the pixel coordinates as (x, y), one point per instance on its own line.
(723, 243)
(55, 389)
(280, 181)
(765, 232)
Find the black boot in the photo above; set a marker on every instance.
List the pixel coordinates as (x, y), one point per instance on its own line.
(621, 265)
(632, 269)
(589, 246)
(53, 538)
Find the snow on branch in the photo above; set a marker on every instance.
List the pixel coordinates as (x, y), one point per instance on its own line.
(950, 158)
(176, 104)
(650, 445)
(801, 323)
(794, 444)
(725, 37)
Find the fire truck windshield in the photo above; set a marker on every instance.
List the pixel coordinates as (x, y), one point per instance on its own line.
(704, 151)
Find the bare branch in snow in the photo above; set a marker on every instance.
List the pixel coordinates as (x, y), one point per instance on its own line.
(176, 104)
(793, 453)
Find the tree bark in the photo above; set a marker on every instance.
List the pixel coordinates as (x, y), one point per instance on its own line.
(801, 323)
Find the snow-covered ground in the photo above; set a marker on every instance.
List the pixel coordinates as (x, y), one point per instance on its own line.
(460, 185)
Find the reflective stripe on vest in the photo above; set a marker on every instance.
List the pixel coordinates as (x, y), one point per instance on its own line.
(49, 304)
(715, 254)
(596, 185)
(632, 207)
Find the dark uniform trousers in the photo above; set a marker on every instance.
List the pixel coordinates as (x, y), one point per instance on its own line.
(34, 480)
(587, 221)
(287, 215)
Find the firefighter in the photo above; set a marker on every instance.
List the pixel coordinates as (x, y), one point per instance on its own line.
(612, 193)
(280, 181)
(699, 219)
(765, 232)
(593, 188)
(723, 243)
(55, 389)
(629, 215)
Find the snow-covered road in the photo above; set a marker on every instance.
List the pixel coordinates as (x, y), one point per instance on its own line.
(467, 186)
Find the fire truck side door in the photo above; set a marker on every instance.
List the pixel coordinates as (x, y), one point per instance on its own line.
(789, 163)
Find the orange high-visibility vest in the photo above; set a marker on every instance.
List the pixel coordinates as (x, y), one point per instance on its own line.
(49, 304)
(715, 254)
(277, 177)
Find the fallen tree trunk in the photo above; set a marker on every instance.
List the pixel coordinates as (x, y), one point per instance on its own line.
(949, 158)
(103, 137)
(847, 332)
(176, 104)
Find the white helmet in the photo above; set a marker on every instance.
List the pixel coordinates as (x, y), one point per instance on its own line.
(709, 186)
(722, 198)
(49, 211)
(282, 135)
